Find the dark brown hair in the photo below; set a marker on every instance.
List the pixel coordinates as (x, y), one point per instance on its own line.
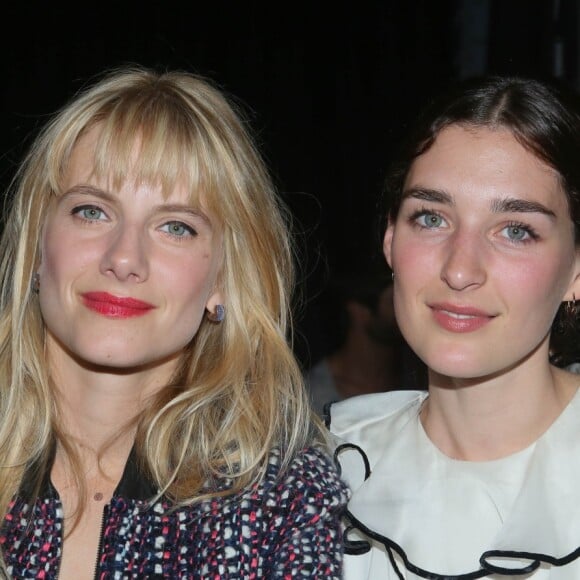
(543, 117)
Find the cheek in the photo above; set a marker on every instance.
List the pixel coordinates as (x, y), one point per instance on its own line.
(413, 263)
(415, 269)
(55, 254)
(63, 258)
(536, 284)
(186, 291)
(188, 283)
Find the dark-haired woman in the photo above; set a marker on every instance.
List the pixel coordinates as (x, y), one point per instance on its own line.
(480, 476)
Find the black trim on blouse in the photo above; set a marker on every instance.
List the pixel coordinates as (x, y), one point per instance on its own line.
(358, 547)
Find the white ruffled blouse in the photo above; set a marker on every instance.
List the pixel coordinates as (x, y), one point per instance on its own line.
(416, 513)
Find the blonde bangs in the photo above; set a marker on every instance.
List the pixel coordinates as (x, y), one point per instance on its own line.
(151, 147)
(150, 136)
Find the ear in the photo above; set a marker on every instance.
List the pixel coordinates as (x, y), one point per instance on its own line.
(388, 243)
(573, 292)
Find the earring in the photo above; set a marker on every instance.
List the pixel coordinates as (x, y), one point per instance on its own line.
(218, 314)
(35, 283)
(566, 320)
(571, 308)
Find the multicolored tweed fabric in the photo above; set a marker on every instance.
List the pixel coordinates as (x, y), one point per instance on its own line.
(284, 527)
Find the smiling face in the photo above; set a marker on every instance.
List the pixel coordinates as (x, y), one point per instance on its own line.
(125, 275)
(483, 253)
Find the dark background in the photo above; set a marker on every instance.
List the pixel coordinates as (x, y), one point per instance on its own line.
(328, 89)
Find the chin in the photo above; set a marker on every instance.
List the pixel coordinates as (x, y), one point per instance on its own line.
(111, 361)
(463, 374)
(458, 364)
(124, 365)
(116, 357)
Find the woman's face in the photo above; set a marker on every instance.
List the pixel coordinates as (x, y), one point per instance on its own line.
(125, 275)
(483, 253)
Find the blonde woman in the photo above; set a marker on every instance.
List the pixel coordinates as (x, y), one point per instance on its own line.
(152, 418)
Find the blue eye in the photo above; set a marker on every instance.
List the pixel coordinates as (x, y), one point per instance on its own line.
(519, 233)
(90, 213)
(430, 220)
(516, 233)
(178, 229)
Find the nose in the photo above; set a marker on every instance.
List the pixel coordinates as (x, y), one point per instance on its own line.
(463, 265)
(125, 256)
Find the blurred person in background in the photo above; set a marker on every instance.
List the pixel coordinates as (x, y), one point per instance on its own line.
(367, 353)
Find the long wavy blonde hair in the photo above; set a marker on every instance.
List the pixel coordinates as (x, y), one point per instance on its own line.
(238, 391)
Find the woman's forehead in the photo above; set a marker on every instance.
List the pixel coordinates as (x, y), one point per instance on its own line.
(112, 166)
(466, 160)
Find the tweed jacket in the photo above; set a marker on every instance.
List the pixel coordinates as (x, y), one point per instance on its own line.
(283, 527)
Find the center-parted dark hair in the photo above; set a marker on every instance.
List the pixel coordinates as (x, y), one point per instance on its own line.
(543, 117)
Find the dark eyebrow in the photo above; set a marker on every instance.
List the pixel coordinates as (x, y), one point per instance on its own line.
(506, 205)
(425, 194)
(515, 205)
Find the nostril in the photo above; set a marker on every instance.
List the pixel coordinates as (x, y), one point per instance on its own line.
(463, 269)
(126, 256)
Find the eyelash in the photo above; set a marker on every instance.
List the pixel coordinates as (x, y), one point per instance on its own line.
(423, 212)
(76, 211)
(191, 231)
(533, 235)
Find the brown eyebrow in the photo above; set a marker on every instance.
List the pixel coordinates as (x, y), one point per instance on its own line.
(177, 207)
(515, 205)
(84, 188)
(89, 190)
(425, 194)
(505, 205)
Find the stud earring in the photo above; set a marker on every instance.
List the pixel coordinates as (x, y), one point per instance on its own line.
(218, 314)
(35, 283)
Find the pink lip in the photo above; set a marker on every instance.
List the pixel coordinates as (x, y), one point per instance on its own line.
(115, 306)
(456, 318)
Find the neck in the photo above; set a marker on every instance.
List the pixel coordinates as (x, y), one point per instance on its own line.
(492, 417)
(98, 405)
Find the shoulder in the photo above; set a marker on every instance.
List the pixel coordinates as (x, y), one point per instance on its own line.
(362, 426)
(367, 413)
(311, 467)
(311, 474)
(298, 511)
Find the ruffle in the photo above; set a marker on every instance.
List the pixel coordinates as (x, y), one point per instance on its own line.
(541, 527)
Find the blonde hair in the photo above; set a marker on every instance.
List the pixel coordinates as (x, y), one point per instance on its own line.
(238, 391)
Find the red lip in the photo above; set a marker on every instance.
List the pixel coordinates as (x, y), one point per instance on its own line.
(115, 306)
(458, 318)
